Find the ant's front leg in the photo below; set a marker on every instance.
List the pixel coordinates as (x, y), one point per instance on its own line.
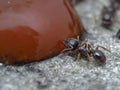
(67, 49)
(70, 52)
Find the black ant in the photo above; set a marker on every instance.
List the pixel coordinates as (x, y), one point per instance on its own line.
(84, 50)
(108, 13)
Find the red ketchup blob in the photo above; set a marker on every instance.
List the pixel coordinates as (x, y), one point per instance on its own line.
(32, 30)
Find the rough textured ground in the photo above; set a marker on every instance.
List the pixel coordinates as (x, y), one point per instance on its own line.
(62, 72)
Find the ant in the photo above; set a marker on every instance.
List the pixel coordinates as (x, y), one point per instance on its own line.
(84, 50)
(108, 13)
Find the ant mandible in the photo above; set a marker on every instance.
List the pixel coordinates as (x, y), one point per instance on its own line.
(84, 50)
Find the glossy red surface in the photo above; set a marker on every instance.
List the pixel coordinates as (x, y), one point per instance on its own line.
(31, 30)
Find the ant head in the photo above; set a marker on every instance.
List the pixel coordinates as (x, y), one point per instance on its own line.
(99, 56)
(71, 42)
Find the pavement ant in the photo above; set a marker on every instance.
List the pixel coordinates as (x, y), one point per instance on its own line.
(84, 50)
(108, 13)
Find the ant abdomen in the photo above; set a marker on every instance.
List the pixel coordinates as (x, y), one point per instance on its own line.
(99, 56)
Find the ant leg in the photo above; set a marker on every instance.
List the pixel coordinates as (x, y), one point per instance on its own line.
(80, 41)
(89, 46)
(78, 56)
(66, 49)
(88, 57)
(78, 38)
(102, 48)
(90, 49)
(84, 45)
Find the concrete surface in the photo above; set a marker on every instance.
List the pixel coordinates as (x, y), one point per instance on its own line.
(62, 72)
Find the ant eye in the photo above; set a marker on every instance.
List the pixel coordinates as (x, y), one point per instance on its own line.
(99, 56)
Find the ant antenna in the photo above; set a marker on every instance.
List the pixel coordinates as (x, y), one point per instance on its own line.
(107, 50)
(102, 48)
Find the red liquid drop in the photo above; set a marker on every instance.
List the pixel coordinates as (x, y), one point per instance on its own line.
(32, 30)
